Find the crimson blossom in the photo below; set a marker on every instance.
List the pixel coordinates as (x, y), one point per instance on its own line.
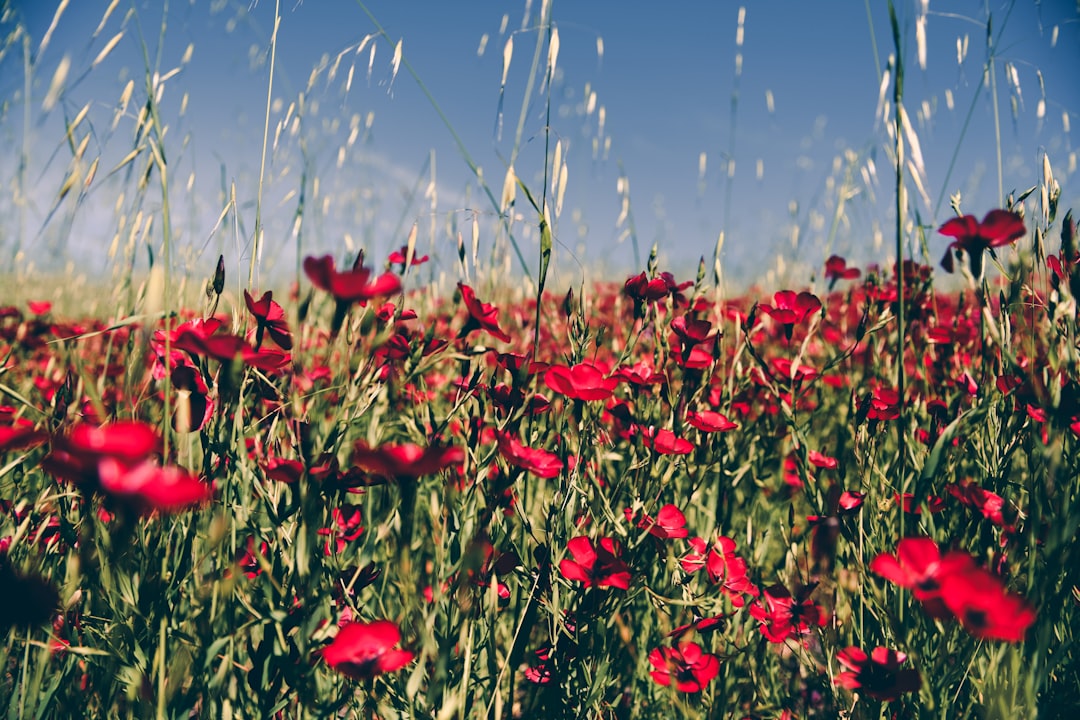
(687, 665)
(363, 650)
(597, 565)
(583, 381)
(782, 615)
(482, 316)
(877, 675)
(999, 227)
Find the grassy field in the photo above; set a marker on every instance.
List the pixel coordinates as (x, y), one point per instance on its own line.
(371, 492)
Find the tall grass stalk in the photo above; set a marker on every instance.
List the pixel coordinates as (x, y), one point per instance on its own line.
(257, 242)
(901, 204)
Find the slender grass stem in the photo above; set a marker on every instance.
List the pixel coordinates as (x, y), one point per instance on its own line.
(256, 247)
(898, 96)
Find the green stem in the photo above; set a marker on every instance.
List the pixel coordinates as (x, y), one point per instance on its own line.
(256, 244)
(898, 95)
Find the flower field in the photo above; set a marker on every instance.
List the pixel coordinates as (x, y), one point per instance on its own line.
(434, 483)
(629, 500)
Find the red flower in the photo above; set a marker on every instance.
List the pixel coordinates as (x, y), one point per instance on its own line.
(482, 316)
(691, 331)
(270, 318)
(988, 503)
(687, 665)
(836, 269)
(920, 567)
(583, 381)
(822, 461)
(790, 309)
(351, 285)
(669, 522)
(709, 422)
(595, 565)
(664, 442)
(884, 404)
(147, 487)
(984, 607)
(537, 461)
(363, 650)
(397, 257)
(405, 460)
(782, 615)
(999, 227)
(878, 675)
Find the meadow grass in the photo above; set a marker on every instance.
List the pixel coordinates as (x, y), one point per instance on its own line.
(362, 487)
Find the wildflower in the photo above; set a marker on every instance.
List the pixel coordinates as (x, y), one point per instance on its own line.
(363, 650)
(148, 487)
(822, 461)
(708, 421)
(670, 522)
(583, 381)
(405, 460)
(790, 309)
(984, 607)
(597, 565)
(349, 286)
(782, 615)
(988, 503)
(836, 269)
(920, 567)
(665, 442)
(537, 461)
(999, 227)
(270, 317)
(877, 675)
(482, 316)
(687, 665)
(722, 565)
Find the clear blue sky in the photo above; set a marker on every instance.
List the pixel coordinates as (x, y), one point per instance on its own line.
(665, 80)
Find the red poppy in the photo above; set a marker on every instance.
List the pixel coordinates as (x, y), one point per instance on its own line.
(148, 487)
(583, 381)
(989, 504)
(668, 523)
(356, 285)
(405, 460)
(363, 650)
(978, 598)
(397, 257)
(690, 330)
(664, 442)
(790, 309)
(877, 675)
(641, 288)
(782, 615)
(537, 461)
(836, 268)
(709, 422)
(722, 565)
(687, 665)
(822, 461)
(920, 567)
(597, 565)
(884, 404)
(270, 317)
(999, 227)
(482, 316)
(640, 373)
(20, 435)
(933, 503)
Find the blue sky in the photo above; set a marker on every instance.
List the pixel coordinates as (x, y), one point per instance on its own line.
(805, 119)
